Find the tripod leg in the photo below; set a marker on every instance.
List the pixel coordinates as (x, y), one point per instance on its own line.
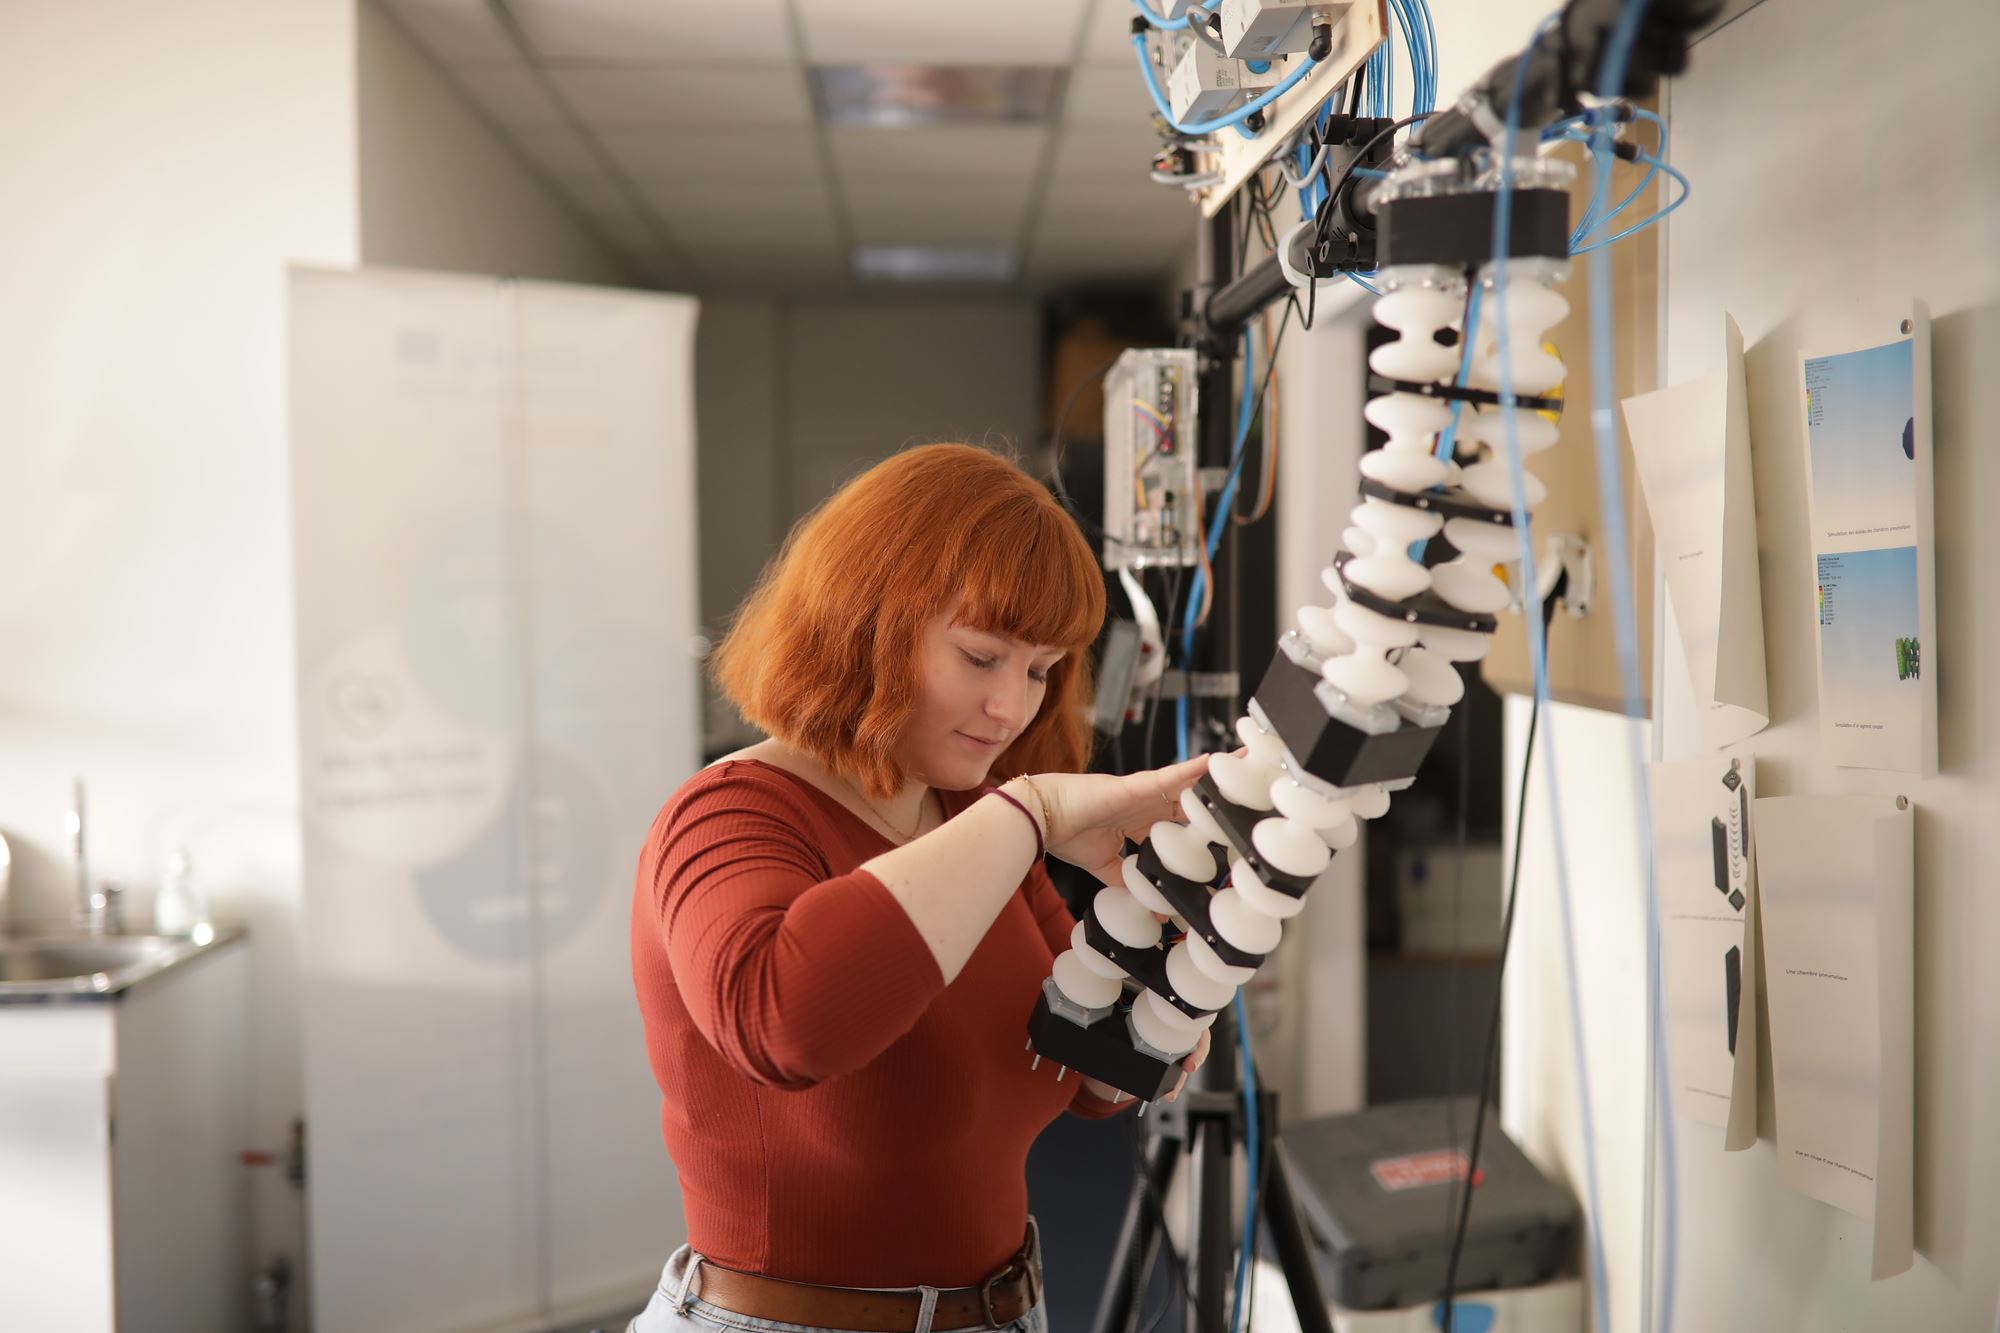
(1138, 1241)
(1294, 1247)
(1215, 1240)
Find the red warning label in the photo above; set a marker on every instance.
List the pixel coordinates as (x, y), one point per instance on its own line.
(1419, 1169)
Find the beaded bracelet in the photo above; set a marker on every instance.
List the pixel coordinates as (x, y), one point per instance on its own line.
(1040, 847)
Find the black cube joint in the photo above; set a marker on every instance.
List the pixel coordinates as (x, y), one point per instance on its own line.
(1190, 900)
(1237, 821)
(1456, 230)
(1103, 1051)
(1334, 751)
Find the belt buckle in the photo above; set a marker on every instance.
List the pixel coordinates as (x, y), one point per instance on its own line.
(986, 1298)
(1027, 1263)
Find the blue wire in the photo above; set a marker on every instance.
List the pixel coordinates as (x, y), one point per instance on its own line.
(1538, 656)
(1611, 491)
(1160, 21)
(1449, 436)
(1591, 221)
(1597, 189)
(1236, 117)
(1644, 223)
(1247, 1078)
(1223, 505)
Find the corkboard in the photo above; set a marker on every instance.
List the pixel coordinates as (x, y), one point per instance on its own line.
(1583, 652)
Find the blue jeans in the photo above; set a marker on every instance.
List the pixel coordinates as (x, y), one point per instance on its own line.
(676, 1309)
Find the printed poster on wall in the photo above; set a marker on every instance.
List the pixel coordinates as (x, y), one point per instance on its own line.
(1868, 454)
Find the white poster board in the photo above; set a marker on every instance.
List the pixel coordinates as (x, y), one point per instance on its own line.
(493, 514)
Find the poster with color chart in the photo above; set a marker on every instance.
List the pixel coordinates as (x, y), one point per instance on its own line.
(1706, 874)
(1868, 454)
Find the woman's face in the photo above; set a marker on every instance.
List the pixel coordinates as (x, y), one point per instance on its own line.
(976, 693)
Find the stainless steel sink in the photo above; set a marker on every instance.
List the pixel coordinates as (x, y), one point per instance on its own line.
(48, 966)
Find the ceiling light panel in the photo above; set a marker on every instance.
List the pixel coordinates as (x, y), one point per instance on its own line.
(456, 32)
(922, 263)
(940, 32)
(512, 98)
(899, 96)
(1006, 151)
(624, 31)
(686, 96)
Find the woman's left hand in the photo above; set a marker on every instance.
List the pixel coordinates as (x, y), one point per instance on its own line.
(1189, 1063)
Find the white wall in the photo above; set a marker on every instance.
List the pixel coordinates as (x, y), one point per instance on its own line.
(795, 397)
(164, 164)
(1793, 251)
(1917, 217)
(440, 190)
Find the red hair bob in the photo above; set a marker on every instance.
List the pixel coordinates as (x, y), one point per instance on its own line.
(823, 654)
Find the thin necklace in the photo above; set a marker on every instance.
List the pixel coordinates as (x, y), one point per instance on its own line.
(880, 818)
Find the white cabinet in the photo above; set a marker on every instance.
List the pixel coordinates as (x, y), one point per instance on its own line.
(123, 1201)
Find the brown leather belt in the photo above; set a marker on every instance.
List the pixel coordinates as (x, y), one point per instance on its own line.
(1006, 1296)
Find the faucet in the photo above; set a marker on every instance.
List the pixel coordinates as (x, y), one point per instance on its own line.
(97, 911)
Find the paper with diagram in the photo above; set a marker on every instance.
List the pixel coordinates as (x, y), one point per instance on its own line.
(1836, 875)
(1705, 874)
(1868, 454)
(1692, 445)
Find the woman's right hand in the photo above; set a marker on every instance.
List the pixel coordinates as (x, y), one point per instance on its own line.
(1092, 814)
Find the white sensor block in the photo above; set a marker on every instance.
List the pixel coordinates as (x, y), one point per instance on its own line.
(1205, 85)
(1261, 29)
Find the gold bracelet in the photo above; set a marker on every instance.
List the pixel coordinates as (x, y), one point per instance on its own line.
(1047, 820)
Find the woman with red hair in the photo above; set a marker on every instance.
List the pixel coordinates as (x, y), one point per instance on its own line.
(838, 933)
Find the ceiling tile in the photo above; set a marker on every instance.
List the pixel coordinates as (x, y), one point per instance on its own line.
(624, 31)
(748, 155)
(1123, 155)
(755, 232)
(1098, 259)
(1001, 150)
(511, 97)
(965, 227)
(559, 154)
(1107, 38)
(687, 96)
(898, 196)
(1133, 198)
(455, 32)
(940, 32)
(1108, 95)
(728, 200)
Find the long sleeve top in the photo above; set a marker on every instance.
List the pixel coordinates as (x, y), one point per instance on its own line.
(836, 1113)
